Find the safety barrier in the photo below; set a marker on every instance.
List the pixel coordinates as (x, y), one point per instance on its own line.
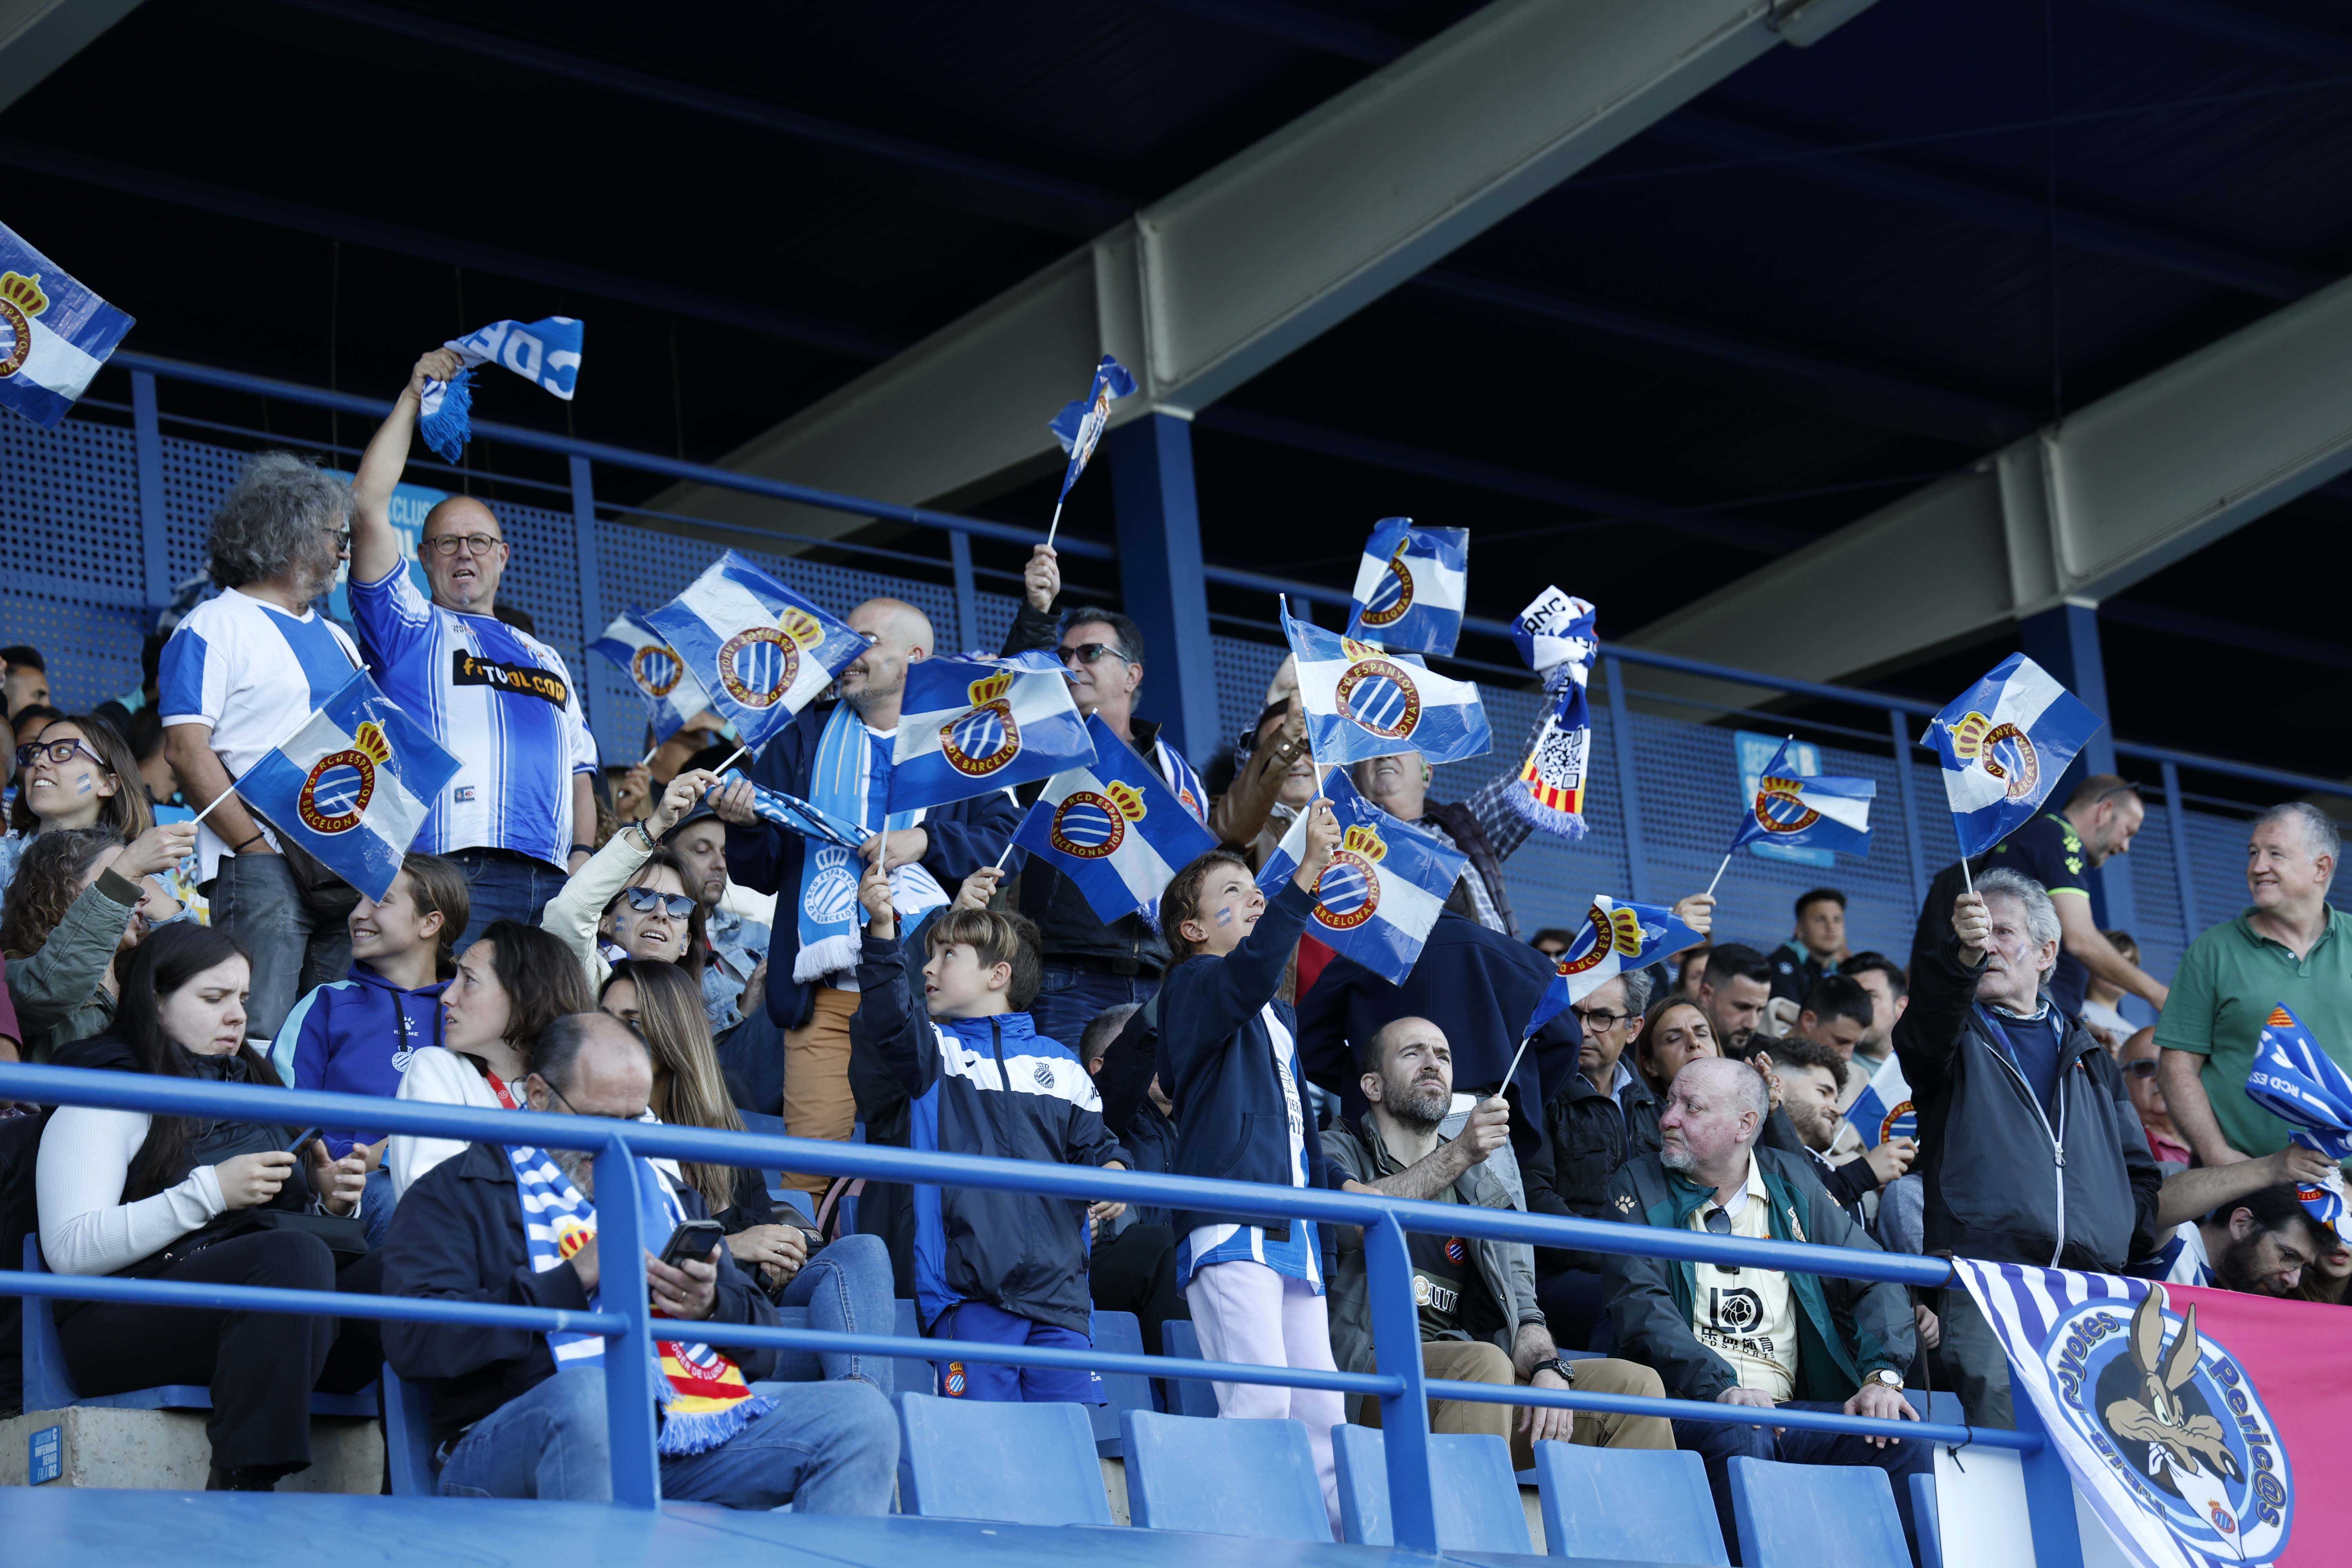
(1398, 1383)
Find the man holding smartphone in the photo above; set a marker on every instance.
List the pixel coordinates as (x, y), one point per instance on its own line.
(520, 1414)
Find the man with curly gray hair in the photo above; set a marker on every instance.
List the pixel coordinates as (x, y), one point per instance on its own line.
(240, 674)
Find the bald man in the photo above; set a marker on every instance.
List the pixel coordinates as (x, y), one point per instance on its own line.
(518, 817)
(837, 756)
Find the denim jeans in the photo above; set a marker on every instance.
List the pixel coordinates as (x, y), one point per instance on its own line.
(294, 952)
(848, 1290)
(1070, 995)
(828, 1447)
(376, 1204)
(503, 886)
(1719, 1442)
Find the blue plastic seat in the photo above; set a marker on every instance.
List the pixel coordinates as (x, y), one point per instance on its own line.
(911, 1374)
(1943, 1406)
(1815, 1516)
(1478, 1497)
(50, 1386)
(1632, 1505)
(1222, 1477)
(1927, 1521)
(407, 1436)
(1009, 1463)
(1185, 1395)
(1122, 1391)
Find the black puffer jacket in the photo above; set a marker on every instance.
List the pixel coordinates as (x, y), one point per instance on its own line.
(1590, 1138)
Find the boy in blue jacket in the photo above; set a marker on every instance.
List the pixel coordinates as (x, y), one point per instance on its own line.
(1005, 1267)
(1229, 1061)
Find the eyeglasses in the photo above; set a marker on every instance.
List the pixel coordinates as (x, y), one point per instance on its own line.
(645, 900)
(2145, 1067)
(57, 751)
(1600, 1018)
(448, 544)
(1089, 652)
(341, 536)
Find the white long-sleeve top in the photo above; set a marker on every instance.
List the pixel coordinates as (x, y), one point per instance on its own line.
(437, 1077)
(86, 1153)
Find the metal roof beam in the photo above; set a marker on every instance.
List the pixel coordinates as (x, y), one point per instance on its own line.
(36, 37)
(2073, 513)
(1205, 288)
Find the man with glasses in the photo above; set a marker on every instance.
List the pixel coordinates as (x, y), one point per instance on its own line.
(1091, 965)
(2252, 1226)
(520, 815)
(1588, 1118)
(239, 673)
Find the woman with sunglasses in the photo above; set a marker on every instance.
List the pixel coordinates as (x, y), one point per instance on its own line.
(513, 982)
(83, 900)
(635, 899)
(77, 773)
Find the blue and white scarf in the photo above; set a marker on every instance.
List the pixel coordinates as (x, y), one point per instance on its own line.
(851, 780)
(701, 1394)
(544, 352)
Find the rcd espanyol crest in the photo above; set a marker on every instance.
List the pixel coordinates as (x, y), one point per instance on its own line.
(21, 300)
(1619, 931)
(1090, 827)
(1378, 692)
(833, 891)
(655, 670)
(757, 664)
(1780, 809)
(984, 737)
(2004, 750)
(1392, 596)
(2178, 1421)
(1349, 890)
(336, 793)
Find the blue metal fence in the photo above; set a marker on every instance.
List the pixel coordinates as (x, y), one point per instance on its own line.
(1398, 1381)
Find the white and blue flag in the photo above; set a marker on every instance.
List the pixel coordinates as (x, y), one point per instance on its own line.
(2301, 1085)
(760, 650)
(1616, 938)
(1883, 1109)
(547, 352)
(1412, 586)
(1079, 425)
(653, 668)
(1385, 887)
(1822, 811)
(793, 814)
(1363, 701)
(352, 784)
(54, 334)
(1114, 829)
(968, 726)
(2003, 742)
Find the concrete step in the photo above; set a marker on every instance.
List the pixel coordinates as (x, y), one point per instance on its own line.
(166, 1450)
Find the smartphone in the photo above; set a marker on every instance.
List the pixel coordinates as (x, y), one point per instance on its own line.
(301, 1147)
(694, 1238)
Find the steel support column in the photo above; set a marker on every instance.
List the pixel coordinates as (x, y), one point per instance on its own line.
(1621, 742)
(147, 438)
(592, 574)
(1159, 578)
(2066, 642)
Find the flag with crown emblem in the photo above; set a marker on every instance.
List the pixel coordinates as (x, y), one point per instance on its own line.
(1364, 701)
(1411, 587)
(1114, 828)
(1079, 425)
(2301, 1085)
(972, 725)
(2003, 742)
(1884, 1107)
(653, 667)
(351, 784)
(1384, 889)
(54, 334)
(1820, 812)
(758, 649)
(1616, 938)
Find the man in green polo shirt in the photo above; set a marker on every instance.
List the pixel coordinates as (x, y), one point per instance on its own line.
(2288, 948)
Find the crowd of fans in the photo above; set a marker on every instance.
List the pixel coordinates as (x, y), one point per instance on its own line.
(636, 941)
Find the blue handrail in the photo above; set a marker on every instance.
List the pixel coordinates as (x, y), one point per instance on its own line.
(1399, 1383)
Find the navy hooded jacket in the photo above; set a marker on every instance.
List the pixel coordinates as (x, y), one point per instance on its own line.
(355, 1037)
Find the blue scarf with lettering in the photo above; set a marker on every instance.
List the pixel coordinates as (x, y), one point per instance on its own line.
(850, 779)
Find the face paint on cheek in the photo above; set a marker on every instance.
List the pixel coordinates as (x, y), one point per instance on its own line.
(1224, 917)
(85, 785)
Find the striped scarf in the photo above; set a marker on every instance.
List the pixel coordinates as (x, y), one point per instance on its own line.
(703, 1397)
(849, 779)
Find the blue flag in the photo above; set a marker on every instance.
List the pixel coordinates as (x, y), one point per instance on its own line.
(793, 814)
(1079, 425)
(2301, 1085)
(1384, 889)
(54, 334)
(544, 352)
(2003, 742)
(1822, 811)
(971, 725)
(653, 668)
(1883, 1109)
(1114, 829)
(760, 650)
(1411, 587)
(352, 784)
(1362, 701)
(1615, 939)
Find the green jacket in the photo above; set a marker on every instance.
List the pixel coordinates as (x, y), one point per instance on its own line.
(1846, 1328)
(61, 991)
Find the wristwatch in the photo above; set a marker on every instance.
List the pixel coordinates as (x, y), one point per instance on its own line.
(1887, 1377)
(1565, 1369)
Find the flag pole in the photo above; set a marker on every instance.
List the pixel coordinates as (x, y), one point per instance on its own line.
(1055, 526)
(1719, 870)
(1001, 859)
(1513, 1070)
(648, 757)
(215, 800)
(1967, 877)
(740, 752)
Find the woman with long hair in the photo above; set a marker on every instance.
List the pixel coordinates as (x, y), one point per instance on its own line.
(635, 898)
(78, 773)
(512, 983)
(204, 1202)
(357, 1036)
(83, 901)
(845, 1284)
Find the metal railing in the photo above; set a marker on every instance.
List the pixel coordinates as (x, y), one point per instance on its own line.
(1399, 1383)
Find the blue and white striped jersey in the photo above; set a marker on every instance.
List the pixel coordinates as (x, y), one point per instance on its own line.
(503, 704)
(1296, 1257)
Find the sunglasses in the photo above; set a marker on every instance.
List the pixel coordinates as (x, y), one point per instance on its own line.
(645, 900)
(1089, 652)
(56, 751)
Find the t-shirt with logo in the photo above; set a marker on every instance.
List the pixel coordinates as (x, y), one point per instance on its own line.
(254, 673)
(500, 700)
(1746, 1316)
(1441, 1269)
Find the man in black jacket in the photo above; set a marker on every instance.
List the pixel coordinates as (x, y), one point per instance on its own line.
(509, 1421)
(2030, 1150)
